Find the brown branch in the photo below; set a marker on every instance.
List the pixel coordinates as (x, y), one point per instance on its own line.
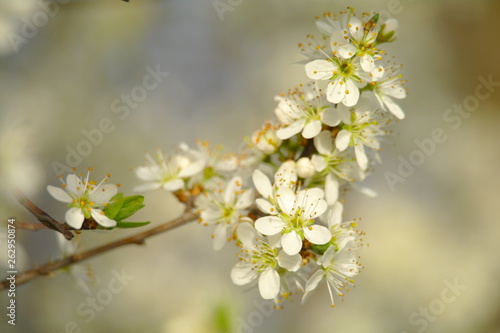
(30, 226)
(138, 239)
(42, 216)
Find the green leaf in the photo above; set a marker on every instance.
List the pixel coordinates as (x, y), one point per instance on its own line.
(127, 225)
(112, 209)
(130, 205)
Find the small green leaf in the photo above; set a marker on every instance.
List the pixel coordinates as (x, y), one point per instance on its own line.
(125, 225)
(112, 209)
(130, 205)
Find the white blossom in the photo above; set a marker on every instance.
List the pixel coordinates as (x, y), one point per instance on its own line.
(85, 199)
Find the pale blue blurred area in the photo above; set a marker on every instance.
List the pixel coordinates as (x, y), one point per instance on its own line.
(440, 224)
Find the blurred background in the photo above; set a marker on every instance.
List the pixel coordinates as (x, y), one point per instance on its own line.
(63, 72)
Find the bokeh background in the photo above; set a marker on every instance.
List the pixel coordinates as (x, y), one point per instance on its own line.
(440, 224)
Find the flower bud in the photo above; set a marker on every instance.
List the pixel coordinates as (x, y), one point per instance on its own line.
(305, 168)
(266, 140)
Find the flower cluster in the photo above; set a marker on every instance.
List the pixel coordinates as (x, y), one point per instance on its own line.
(281, 200)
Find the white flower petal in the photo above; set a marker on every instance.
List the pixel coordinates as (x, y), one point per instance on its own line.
(102, 194)
(351, 93)
(342, 139)
(220, 236)
(262, 184)
(244, 200)
(394, 108)
(59, 194)
(331, 189)
(290, 130)
(269, 283)
(102, 219)
(266, 207)
(74, 184)
(319, 69)
(323, 143)
(330, 117)
(312, 283)
(246, 234)
(361, 157)
(74, 217)
(269, 225)
(147, 187)
(286, 200)
(173, 185)
(317, 234)
(335, 92)
(243, 273)
(335, 215)
(290, 263)
(312, 129)
(291, 243)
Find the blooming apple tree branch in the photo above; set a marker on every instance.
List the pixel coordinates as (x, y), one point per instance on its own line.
(280, 201)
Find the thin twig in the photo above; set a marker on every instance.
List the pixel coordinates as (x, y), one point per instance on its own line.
(42, 216)
(30, 226)
(138, 239)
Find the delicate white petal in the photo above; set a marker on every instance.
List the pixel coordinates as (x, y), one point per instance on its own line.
(361, 157)
(244, 200)
(192, 169)
(347, 51)
(269, 283)
(319, 69)
(242, 273)
(351, 93)
(173, 185)
(103, 193)
(312, 283)
(323, 143)
(102, 219)
(330, 117)
(328, 256)
(148, 173)
(318, 162)
(317, 234)
(335, 92)
(312, 129)
(367, 63)
(232, 186)
(291, 243)
(220, 236)
(335, 215)
(286, 174)
(331, 189)
(147, 187)
(286, 200)
(266, 207)
(393, 107)
(246, 234)
(262, 184)
(290, 263)
(290, 130)
(342, 139)
(269, 225)
(74, 217)
(59, 194)
(74, 184)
